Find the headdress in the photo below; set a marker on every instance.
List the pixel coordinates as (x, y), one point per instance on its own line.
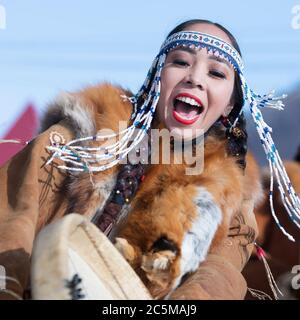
(81, 158)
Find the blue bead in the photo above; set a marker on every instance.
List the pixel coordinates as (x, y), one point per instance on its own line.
(266, 130)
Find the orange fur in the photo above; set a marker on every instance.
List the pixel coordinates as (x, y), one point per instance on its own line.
(164, 207)
(164, 203)
(107, 108)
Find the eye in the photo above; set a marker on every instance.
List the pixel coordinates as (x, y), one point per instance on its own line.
(217, 74)
(181, 63)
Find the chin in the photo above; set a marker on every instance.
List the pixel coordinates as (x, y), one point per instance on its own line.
(188, 133)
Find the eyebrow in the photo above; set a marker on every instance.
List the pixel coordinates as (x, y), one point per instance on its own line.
(211, 57)
(220, 60)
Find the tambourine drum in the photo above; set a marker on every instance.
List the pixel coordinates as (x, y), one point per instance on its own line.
(73, 259)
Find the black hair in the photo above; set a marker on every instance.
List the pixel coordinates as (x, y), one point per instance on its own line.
(297, 156)
(237, 139)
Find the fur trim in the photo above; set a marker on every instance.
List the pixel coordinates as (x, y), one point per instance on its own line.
(104, 189)
(198, 238)
(87, 195)
(90, 110)
(85, 113)
(68, 107)
(253, 186)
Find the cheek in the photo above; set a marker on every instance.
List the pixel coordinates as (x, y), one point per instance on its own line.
(221, 94)
(219, 97)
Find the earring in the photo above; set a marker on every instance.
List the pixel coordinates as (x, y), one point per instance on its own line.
(238, 133)
(235, 132)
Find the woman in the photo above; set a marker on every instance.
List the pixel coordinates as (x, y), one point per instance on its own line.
(34, 193)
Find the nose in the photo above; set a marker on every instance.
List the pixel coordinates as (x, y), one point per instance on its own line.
(196, 77)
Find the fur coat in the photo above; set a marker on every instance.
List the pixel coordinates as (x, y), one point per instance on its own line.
(33, 195)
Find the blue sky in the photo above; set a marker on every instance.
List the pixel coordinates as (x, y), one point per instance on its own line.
(50, 46)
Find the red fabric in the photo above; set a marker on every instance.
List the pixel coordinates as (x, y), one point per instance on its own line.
(23, 129)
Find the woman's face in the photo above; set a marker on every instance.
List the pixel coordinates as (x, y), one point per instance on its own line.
(196, 87)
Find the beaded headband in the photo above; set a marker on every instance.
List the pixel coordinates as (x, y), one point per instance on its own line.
(80, 158)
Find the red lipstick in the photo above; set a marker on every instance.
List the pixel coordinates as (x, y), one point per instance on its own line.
(179, 117)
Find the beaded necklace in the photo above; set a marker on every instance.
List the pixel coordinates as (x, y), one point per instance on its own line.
(80, 158)
(128, 180)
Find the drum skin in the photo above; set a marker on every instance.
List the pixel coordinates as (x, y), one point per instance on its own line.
(73, 259)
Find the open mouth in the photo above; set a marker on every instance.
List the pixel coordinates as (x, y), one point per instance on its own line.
(187, 108)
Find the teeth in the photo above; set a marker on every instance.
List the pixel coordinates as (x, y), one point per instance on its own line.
(190, 101)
